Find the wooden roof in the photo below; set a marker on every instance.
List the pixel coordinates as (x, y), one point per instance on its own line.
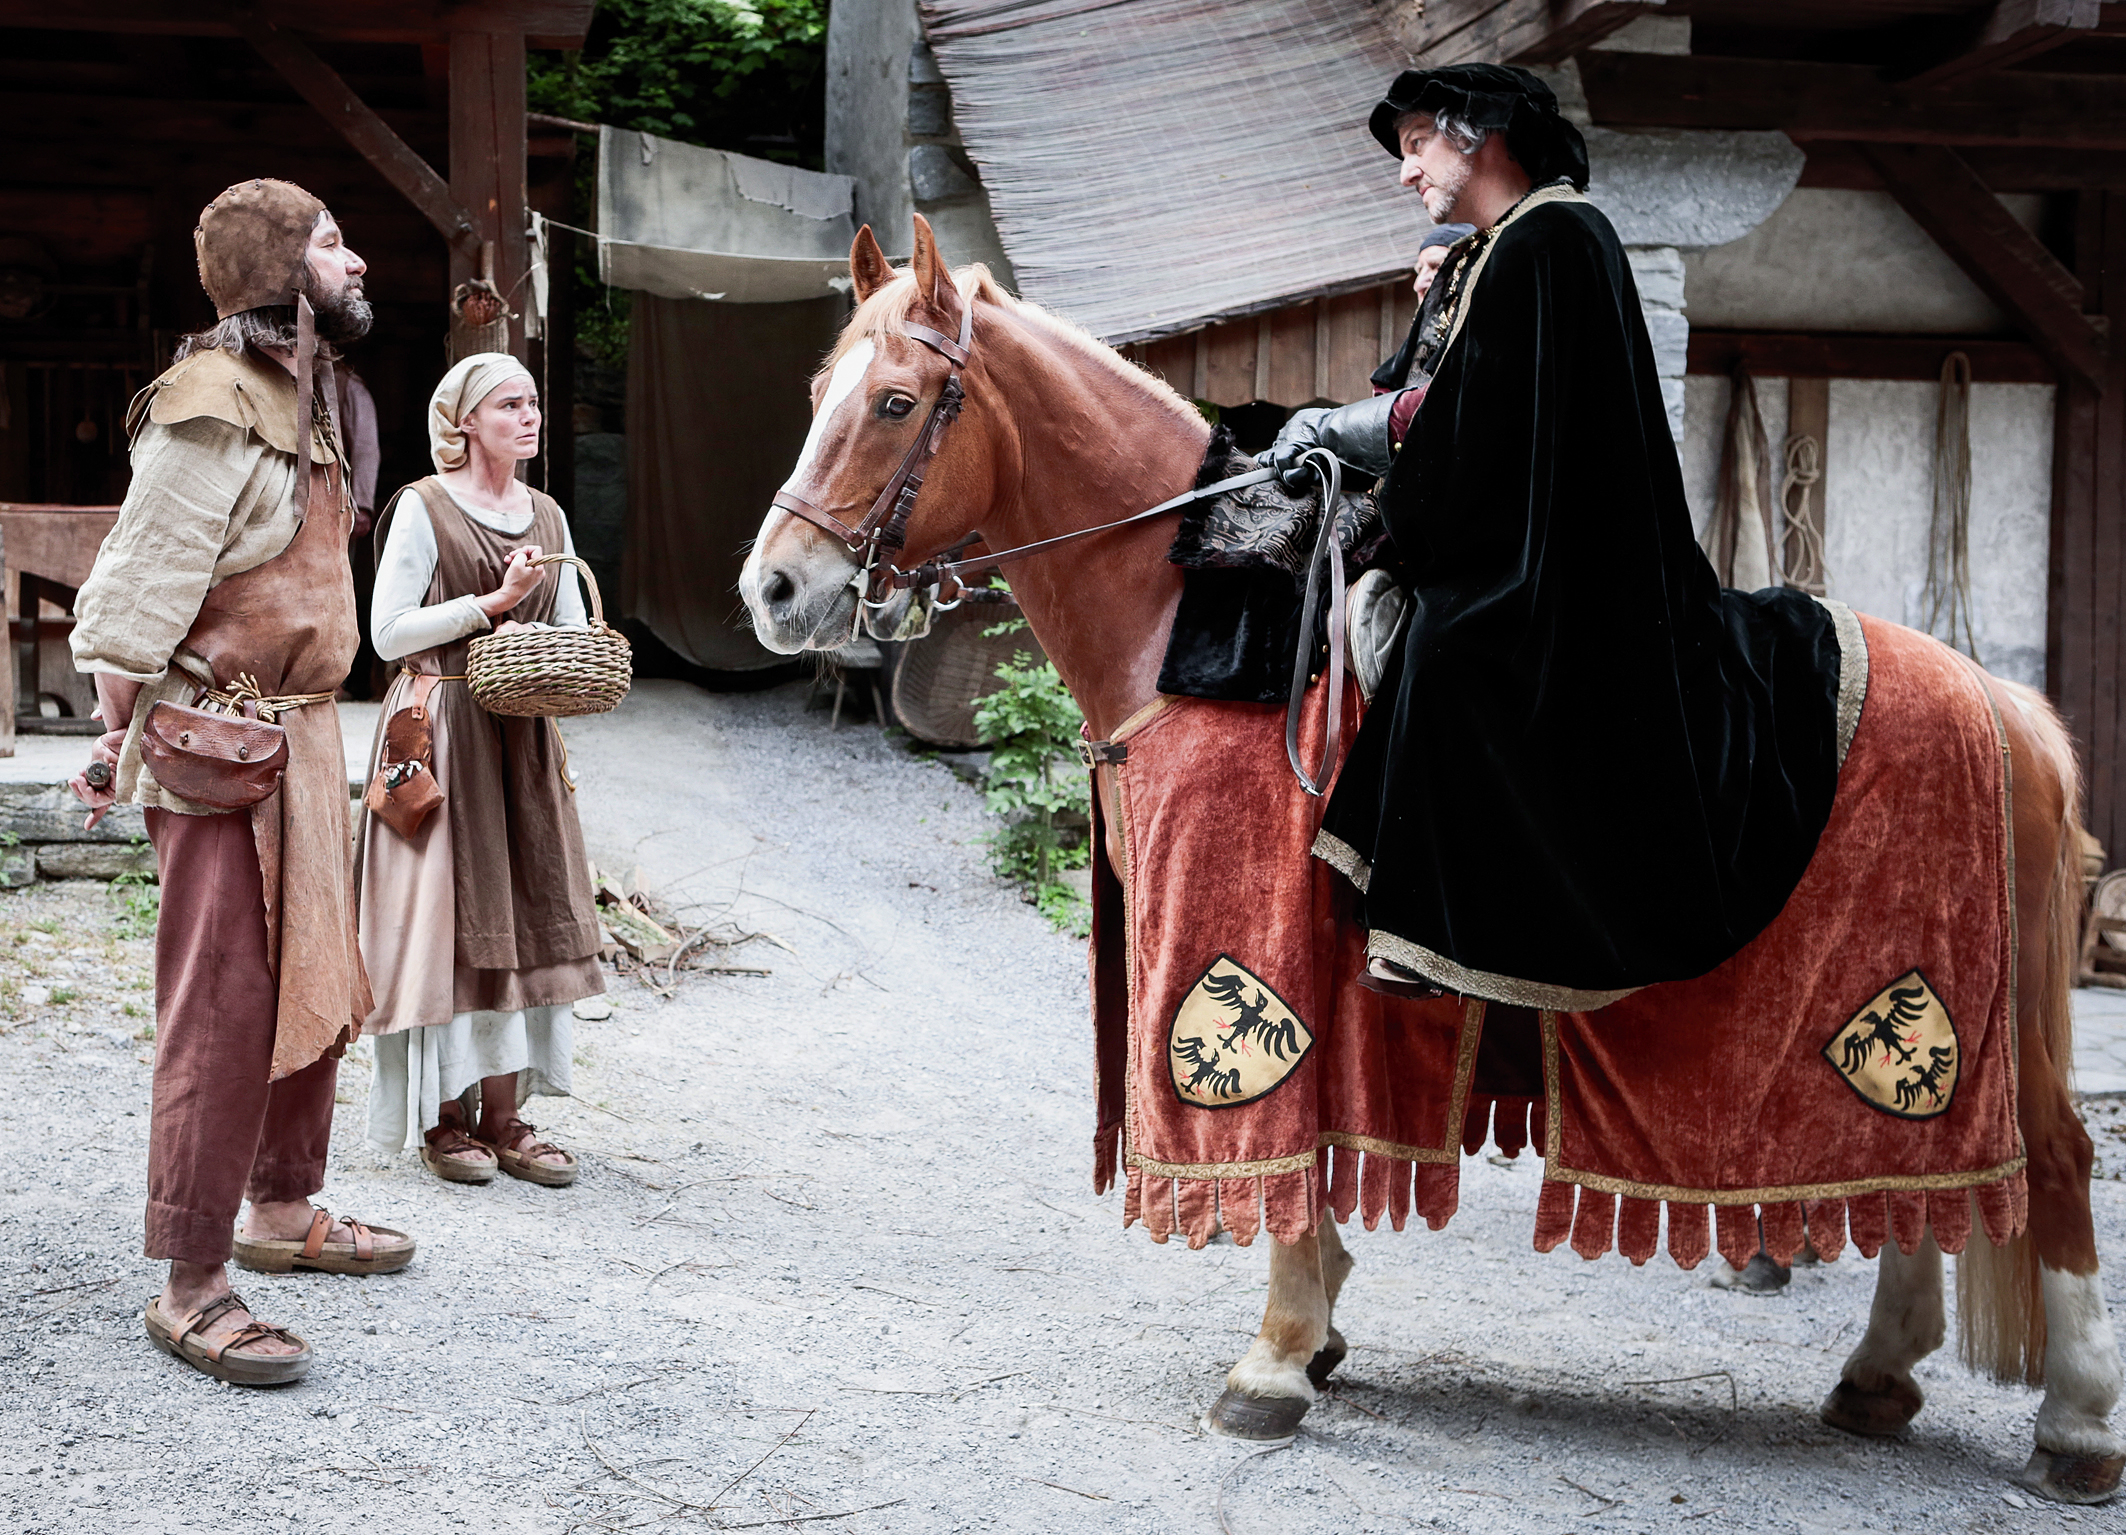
(542, 23)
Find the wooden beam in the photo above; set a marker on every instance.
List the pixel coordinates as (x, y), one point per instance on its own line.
(1833, 164)
(2010, 32)
(544, 23)
(315, 81)
(1441, 32)
(2085, 661)
(1852, 101)
(2009, 263)
(487, 153)
(1839, 354)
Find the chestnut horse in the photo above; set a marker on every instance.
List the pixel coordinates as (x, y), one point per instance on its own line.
(1059, 433)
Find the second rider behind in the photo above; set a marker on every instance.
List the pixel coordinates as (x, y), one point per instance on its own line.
(477, 928)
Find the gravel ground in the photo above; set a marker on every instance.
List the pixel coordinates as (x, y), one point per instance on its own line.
(834, 1250)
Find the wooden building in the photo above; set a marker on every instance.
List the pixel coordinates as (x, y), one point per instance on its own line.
(124, 117)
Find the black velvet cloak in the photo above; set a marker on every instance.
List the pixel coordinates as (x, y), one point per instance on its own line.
(1591, 768)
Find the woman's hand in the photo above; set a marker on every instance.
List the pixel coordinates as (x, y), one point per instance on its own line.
(519, 577)
(103, 763)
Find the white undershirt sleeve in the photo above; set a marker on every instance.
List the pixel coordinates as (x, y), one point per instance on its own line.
(400, 622)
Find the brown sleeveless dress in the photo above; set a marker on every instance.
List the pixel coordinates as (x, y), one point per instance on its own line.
(519, 902)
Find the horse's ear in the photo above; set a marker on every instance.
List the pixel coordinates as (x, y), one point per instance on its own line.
(868, 267)
(930, 273)
(932, 280)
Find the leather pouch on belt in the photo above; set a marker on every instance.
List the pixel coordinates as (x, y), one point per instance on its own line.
(224, 761)
(405, 790)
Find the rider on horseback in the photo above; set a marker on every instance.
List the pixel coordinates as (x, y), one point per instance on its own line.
(1589, 768)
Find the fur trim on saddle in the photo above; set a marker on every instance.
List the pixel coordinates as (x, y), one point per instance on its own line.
(1267, 527)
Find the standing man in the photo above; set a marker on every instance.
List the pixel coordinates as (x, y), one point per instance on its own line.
(1589, 768)
(225, 584)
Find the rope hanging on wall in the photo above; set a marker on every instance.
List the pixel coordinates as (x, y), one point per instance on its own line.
(1801, 545)
(1740, 537)
(1947, 594)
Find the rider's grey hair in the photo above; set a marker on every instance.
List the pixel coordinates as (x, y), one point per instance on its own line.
(1458, 131)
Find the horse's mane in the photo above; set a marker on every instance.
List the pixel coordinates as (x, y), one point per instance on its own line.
(882, 314)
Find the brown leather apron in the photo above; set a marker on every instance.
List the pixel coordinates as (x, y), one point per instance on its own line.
(290, 625)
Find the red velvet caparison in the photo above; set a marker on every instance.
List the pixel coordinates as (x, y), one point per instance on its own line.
(1714, 1096)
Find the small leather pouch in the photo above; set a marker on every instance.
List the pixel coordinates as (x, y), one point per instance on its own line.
(225, 761)
(405, 790)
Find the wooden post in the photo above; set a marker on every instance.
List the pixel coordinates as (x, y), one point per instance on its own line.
(7, 672)
(2086, 637)
(487, 160)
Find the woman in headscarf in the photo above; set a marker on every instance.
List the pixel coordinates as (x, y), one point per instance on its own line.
(477, 925)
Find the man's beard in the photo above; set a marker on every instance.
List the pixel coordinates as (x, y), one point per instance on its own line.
(343, 316)
(1443, 195)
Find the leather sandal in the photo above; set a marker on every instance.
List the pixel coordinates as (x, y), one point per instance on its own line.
(374, 1250)
(227, 1360)
(455, 1157)
(524, 1164)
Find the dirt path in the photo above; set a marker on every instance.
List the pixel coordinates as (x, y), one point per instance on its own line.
(834, 1250)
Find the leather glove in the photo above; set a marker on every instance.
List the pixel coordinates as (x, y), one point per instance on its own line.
(1358, 434)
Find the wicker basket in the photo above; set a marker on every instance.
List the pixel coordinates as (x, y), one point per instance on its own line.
(552, 672)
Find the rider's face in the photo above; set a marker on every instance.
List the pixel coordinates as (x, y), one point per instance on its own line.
(1433, 166)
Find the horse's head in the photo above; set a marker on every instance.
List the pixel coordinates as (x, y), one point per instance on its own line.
(871, 403)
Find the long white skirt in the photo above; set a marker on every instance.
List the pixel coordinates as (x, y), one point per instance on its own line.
(428, 1051)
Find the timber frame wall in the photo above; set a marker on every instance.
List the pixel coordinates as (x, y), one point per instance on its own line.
(2085, 668)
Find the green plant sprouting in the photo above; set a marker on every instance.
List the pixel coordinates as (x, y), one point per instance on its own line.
(1035, 782)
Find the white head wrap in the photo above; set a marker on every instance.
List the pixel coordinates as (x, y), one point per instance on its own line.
(471, 380)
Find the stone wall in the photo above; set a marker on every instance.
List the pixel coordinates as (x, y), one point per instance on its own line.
(41, 837)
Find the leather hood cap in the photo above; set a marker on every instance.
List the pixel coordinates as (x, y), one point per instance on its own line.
(1495, 96)
(253, 243)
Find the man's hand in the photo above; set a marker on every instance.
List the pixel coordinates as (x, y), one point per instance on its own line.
(1299, 433)
(99, 797)
(1358, 434)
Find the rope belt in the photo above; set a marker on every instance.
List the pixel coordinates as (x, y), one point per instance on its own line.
(244, 693)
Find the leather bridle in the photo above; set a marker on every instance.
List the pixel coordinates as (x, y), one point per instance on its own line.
(883, 532)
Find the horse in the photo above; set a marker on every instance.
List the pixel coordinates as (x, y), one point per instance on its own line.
(1056, 435)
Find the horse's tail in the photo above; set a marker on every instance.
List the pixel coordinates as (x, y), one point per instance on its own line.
(1999, 1303)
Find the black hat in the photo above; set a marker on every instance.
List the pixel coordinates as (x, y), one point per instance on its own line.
(1494, 96)
(1445, 234)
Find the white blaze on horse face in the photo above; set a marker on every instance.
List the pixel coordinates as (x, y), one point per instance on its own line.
(848, 373)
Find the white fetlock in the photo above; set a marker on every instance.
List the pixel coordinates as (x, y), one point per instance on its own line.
(1263, 1372)
(2082, 1368)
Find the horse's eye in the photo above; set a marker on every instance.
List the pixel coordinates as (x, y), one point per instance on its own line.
(896, 406)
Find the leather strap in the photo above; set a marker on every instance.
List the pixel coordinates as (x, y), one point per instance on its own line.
(1329, 555)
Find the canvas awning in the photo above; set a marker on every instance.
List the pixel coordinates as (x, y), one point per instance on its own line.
(680, 221)
(1157, 164)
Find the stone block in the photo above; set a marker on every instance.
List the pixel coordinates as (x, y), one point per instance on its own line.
(93, 860)
(50, 813)
(929, 111)
(18, 867)
(934, 177)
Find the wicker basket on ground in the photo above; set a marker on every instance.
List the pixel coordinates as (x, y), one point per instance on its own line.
(552, 672)
(941, 675)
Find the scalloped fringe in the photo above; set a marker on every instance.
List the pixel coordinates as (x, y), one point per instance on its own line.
(1595, 1221)
(1290, 1205)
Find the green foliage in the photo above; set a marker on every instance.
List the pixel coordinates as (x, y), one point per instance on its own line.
(742, 75)
(1030, 725)
(139, 901)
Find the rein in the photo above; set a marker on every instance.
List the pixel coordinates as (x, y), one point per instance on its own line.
(883, 531)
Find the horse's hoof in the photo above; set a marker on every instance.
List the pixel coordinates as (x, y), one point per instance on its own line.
(1324, 1364)
(1255, 1417)
(1761, 1277)
(1877, 1414)
(2073, 1478)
